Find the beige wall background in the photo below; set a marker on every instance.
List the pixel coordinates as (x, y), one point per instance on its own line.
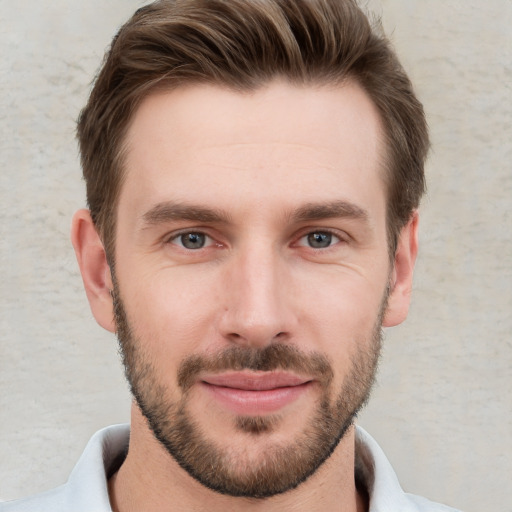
(442, 409)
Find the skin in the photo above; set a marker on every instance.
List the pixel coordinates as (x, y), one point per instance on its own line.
(260, 160)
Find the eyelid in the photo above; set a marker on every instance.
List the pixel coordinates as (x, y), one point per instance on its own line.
(342, 236)
(170, 238)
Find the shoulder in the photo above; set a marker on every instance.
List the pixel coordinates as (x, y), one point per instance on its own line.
(375, 474)
(50, 501)
(87, 487)
(422, 504)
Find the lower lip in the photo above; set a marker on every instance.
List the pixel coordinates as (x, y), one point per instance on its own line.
(247, 402)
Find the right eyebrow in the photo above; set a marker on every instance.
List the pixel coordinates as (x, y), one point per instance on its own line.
(169, 211)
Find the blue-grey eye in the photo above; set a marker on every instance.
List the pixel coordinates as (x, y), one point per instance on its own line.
(319, 240)
(192, 240)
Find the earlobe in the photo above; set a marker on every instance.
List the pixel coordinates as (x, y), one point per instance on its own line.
(94, 268)
(402, 274)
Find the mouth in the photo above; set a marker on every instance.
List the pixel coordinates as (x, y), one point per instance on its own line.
(255, 393)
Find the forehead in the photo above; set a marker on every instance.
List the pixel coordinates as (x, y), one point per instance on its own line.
(283, 142)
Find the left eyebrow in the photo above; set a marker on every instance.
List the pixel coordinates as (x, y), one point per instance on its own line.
(334, 209)
(171, 211)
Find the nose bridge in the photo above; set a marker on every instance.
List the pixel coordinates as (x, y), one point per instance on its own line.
(258, 306)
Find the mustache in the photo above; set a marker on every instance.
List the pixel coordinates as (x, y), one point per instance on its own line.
(272, 357)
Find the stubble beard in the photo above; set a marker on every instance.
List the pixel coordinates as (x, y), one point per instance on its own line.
(278, 468)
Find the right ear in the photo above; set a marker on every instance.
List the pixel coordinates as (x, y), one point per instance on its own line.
(94, 268)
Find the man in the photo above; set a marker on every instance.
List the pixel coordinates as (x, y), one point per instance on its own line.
(253, 173)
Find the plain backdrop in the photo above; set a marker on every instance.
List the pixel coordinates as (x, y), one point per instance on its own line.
(442, 409)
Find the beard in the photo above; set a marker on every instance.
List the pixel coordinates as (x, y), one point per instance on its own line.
(278, 467)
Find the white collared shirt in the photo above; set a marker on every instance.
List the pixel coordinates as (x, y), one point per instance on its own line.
(87, 490)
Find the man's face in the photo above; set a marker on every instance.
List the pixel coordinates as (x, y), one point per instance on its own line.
(252, 276)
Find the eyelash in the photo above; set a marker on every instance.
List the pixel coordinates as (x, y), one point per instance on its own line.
(209, 240)
(341, 238)
(176, 236)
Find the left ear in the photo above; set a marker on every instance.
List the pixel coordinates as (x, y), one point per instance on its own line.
(401, 275)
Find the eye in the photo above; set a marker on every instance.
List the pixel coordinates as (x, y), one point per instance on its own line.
(192, 240)
(319, 240)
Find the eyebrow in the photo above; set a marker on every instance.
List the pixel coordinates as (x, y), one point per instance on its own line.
(333, 209)
(169, 211)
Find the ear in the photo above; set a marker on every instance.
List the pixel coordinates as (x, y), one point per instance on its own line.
(401, 275)
(94, 268)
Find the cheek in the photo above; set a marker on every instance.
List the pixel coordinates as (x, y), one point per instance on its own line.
(340, 313)
(172, 315)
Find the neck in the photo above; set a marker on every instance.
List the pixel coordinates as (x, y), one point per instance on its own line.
(151, 480)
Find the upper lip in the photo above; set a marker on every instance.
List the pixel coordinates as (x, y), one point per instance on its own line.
(255, 381)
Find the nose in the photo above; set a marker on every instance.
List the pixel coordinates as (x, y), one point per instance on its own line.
(258, 308)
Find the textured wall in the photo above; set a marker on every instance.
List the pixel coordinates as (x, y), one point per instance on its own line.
(443, 406)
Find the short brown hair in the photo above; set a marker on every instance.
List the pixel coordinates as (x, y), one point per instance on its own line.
(243, 44)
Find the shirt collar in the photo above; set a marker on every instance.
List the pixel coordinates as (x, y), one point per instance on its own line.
(107, 449)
